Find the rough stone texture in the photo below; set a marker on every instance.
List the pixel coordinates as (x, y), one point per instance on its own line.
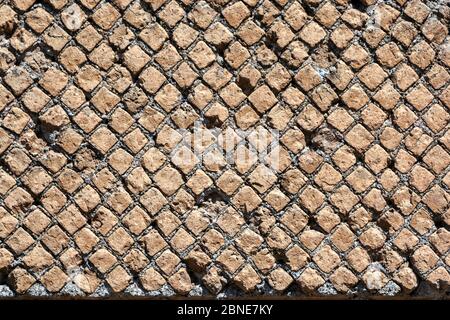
(102, 192)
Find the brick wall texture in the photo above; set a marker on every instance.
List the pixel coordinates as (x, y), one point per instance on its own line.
(224, 148)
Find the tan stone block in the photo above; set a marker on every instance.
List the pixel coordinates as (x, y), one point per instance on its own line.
(56, 37)
(343, 279)
(310, 280)
(441, 240)
(312, 33)
(279, 279)
(405, 240)
(20, 280)
(88, 78)
(36, 221)
(88, 37)
(54, 279)
(71, 219)
(86, 240)
(136, 260)
(87, 199)
(372, 238)
(104, 220)
(103, 260)
(151, 280)
(406, 278)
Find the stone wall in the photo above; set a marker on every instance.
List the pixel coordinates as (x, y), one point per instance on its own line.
(224, 148)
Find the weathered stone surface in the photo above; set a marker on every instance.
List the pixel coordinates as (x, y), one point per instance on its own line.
(180, 147)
